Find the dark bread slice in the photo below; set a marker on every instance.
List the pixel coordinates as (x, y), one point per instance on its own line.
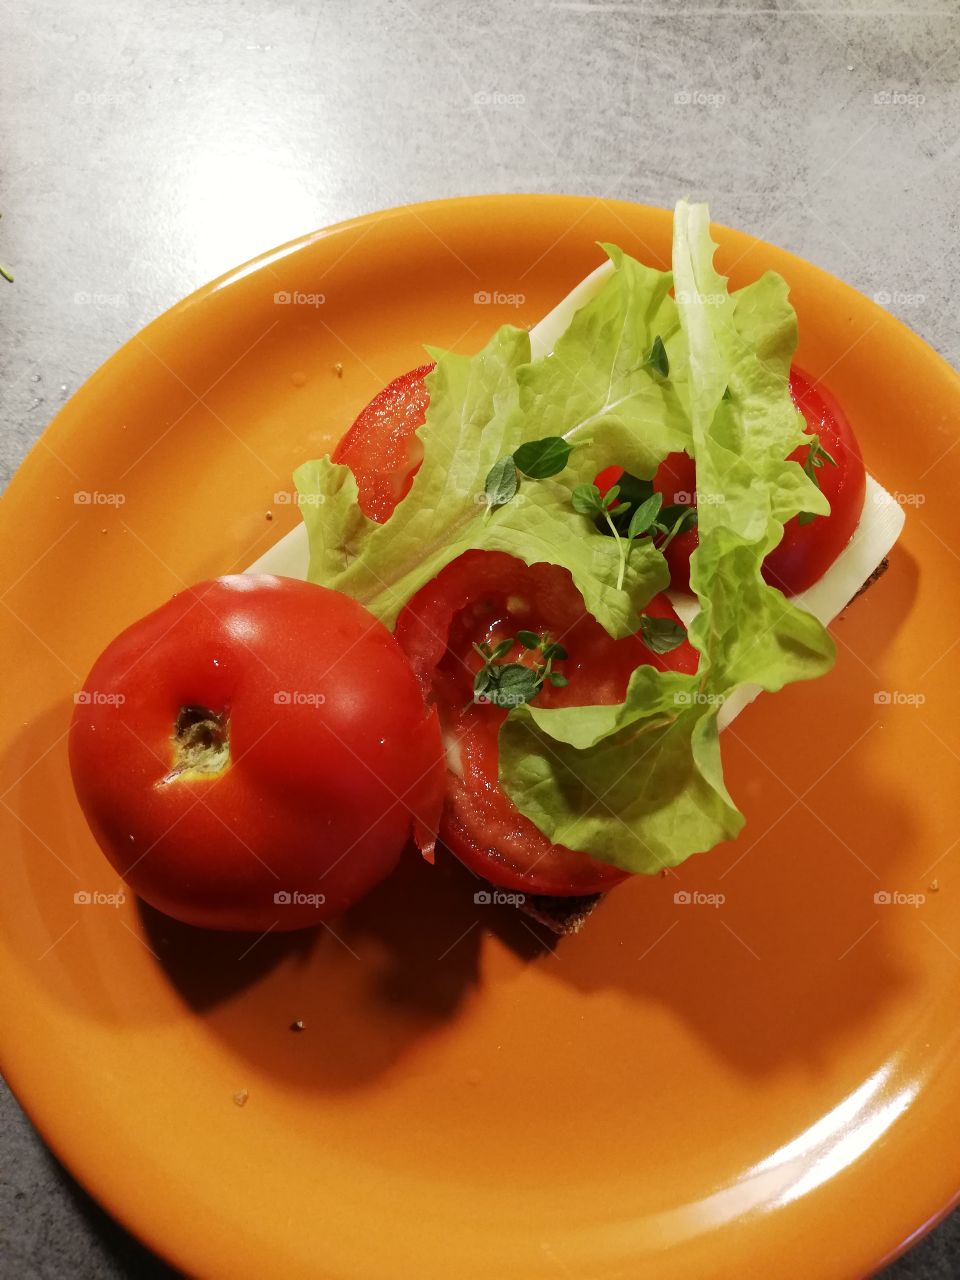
(568, 915)
(560, 915)
(878, 573)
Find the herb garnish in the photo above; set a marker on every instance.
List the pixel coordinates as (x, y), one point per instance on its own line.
(816, 457)
(660, 635)
(502, 483)
(511, 684)
(534, 460)
(589, 501)
(650, 519)
(657, 359)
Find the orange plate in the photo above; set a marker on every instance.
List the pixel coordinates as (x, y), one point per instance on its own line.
(766, 1087)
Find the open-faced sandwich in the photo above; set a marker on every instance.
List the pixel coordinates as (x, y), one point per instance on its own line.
(594, 542)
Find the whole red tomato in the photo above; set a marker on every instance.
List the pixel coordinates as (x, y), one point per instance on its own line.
(254, 754)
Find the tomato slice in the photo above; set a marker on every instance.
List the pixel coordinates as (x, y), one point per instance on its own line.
(381, 448)
(487, 597)
(808, 549)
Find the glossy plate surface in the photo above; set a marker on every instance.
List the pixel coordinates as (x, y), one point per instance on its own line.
(768, 1085)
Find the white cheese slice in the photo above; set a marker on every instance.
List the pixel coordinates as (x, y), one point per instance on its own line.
(878, 529)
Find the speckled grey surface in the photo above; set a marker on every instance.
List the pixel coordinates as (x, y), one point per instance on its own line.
(149, 146)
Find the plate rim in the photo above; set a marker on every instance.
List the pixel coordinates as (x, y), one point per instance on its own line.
(42, 1117)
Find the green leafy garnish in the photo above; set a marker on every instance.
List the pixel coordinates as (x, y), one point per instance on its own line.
(587, 500)
(658, 359)
(513, 684)
(502, 482)
(593, 392)
(650, 766)
(649, 517)
(661, 635)
(644, 519)
(536, 460)
(816, 457)
(638, 374)
(678, 514)
(673, 520)
(541, 459)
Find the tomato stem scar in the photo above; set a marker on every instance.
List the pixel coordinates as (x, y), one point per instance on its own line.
(201, 744)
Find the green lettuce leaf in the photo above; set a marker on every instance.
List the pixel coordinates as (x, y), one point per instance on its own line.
(640, 785)
(639, 373)
(598, 386)
(598, 390)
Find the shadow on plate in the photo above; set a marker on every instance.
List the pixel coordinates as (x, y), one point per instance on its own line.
(772, 947)
(795, 958)
(396, 967)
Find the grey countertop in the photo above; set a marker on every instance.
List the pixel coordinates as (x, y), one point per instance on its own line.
(150, 146)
